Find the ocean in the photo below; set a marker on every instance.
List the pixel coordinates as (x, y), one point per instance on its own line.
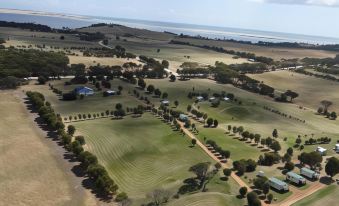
(178, 28)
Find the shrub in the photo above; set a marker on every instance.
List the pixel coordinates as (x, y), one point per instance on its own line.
(121, 196)
(80, 139)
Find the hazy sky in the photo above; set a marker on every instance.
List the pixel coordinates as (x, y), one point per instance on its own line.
(314, 17)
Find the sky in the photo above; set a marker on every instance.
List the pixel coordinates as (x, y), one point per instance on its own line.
(312, 17)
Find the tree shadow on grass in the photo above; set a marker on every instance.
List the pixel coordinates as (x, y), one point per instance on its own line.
(326, 180)
(190, 185)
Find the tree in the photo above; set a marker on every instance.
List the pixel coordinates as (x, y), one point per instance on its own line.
(157, 92)
(312, 158)
(118, 106)
(189, 108)
(290, 151)
(150, 88)
(176, 103)
(209, 122)
(240, 129)
(270, 197)
(201, 171)
(227, 172)
(71, 130)
(215, 123)
(260, 182)
(165, 95)
(159, 196)
(266, 188)
(332, 167)
(298, 141)
(326, 104)
(257, 138)
(76, 148)
(141, 83)
(229, 128)
(275, 146)
(172, 78)
(80, 139)
(243, 191)
(333, 115)
(275, 133)
(289, 166)
(252, 199)
(42, 80)
(194, 142)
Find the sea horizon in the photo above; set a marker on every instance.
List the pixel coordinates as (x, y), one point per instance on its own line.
(60, 20)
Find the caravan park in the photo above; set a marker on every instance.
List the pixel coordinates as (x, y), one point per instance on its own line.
(127, 116)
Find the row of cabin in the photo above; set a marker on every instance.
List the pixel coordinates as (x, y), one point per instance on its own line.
(292, 177)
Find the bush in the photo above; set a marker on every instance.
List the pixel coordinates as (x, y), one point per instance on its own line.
(69, 96)
(243, 191)
(121, 196)
(42, 80)
(80, 139)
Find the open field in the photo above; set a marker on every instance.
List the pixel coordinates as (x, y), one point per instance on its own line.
(147, 157)
(40, 38)
(32, 170)
(311, 90)
(276, 53)
(144, 42)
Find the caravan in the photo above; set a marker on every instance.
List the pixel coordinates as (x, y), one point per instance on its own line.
(278, 184)
(309, 173)
(295, 178)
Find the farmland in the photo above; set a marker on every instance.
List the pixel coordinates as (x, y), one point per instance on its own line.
(27, 181)
(311, 90)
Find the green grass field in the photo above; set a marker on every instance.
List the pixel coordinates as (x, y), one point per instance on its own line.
(326, 196)
(251, 115)
(142, 154)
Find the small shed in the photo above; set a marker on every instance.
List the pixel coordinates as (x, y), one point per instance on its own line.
(165, 102)
(82, 90)
(226, 99)
(212, 99)
(200, 98)
(111, 92)
(321, 150)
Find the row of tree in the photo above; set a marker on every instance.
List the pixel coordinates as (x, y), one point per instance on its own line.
(89, 161)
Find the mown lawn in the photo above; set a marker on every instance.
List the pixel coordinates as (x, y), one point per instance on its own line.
(142, 154)
(326, 196)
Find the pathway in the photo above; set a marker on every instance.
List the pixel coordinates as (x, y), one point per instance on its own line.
(223, 165)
